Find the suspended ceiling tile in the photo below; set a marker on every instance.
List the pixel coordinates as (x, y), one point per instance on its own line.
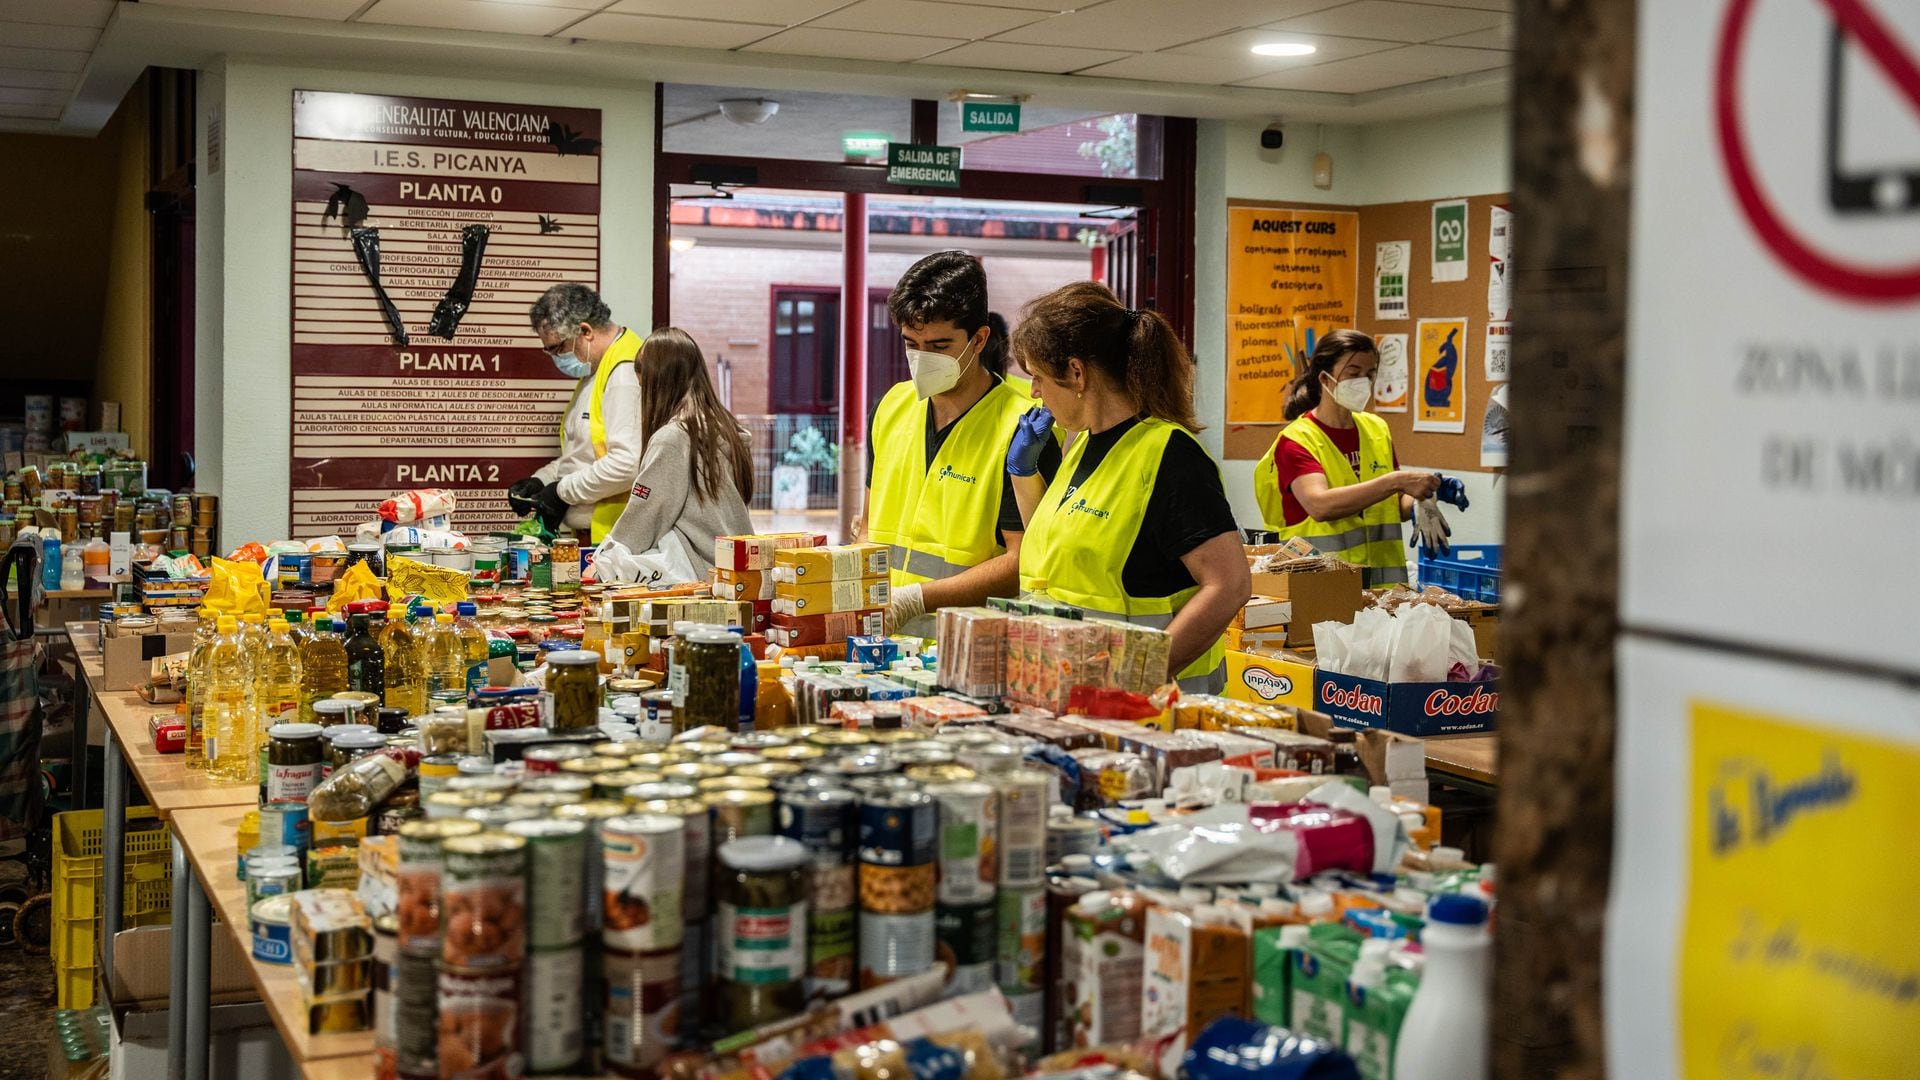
(57, 12)
(1183, 68)
(685, 33)
(38, 80)
(851, 44)
(764, 12)
(332, 10)
(13, 95)
(921, 17)
(1050, 7)
(45, 36)
(1240, 43)
(1006, 56)
(1437, 60)
(30, 112)
(1152, 25)
(1478, 5)
(1387, 20)
(1375, 71)
(486, 15)
(1500, 37)
(41, 59)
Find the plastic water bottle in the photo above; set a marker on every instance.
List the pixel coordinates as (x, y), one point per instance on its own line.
(1444, 1036)
(50, 563)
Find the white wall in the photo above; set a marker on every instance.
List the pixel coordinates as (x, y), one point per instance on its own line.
(1429, 158)
(244, 238)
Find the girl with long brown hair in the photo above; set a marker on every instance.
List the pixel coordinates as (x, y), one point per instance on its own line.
(1135, 525)
(696, 471)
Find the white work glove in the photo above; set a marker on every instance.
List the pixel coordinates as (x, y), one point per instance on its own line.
(907, 604)
(1430, 530)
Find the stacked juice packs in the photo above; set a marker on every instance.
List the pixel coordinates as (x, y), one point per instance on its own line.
(827, 594)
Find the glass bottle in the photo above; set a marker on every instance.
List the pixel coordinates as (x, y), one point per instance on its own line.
(276, 679)
(203, 636)
(323, 666)
(366, 660)
(475, 641)
(232, 720)
(406, 667)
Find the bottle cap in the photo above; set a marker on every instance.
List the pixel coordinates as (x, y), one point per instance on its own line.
(443, 619)
(227, 624)
(1457, 910)
(278, 626)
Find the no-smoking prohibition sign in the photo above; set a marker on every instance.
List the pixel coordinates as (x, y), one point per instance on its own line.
(1824, 271)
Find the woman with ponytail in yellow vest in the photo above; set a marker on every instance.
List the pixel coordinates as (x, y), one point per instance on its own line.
(1135, 525)
(1331, 477)
(585, 488)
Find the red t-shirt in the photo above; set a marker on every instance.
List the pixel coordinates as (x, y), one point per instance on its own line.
(1293, 461)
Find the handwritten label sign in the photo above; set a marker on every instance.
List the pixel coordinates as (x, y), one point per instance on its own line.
(1292, 278)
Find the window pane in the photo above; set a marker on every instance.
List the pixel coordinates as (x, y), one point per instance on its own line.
(1069, 142)
(806, 316)
(806, 127)
(783, 321)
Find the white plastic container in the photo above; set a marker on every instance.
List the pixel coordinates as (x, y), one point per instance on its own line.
(1444, 1036)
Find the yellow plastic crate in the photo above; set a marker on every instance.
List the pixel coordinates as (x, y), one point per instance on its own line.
(146, 900)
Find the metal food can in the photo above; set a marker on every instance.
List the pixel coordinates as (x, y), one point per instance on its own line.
(692, 771)
(701, 749)
(851, 766)
(837, 739)
(1020, 957)
(1071, 836)
(772, 771)
(659, 789)
(969, 827)
(897, 868)
(989, 757)
(831, 931)
(483, 897)
(867, 785)
(1029, 1008)
(590, 766)
(923, 754)
(696, 956)
(386, 957)
(968, 944)
(948, 773)
(642, 1013)
(698, 844)
(734, 783)
(417, 881)
(577, 787)
(613, 785)
(434, 771)
(556, 880)
(658, 759)
(1025, 795)
(443, 804)
(825, 820)
(499, 815)
(645, 858)
(555, 1014)
(593, 813)
(547, 758)
(894, 946)
(757, 742)
(416, 1016)
(272, 921)
(797, 753)
(479, 1022)
(739, 813)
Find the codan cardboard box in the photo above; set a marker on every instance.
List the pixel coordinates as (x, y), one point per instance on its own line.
(128, 661)
(1411, 708)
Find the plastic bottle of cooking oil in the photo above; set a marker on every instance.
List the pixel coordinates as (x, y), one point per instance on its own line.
(323, 666)
(231, 724)
(474, 641)
(406, 666)
(297, 628)
(366, 660)
(446, 657)
(276, 678)
(203, 636)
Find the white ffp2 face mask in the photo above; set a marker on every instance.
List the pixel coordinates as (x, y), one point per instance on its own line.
(1353, 395)
(935, 372)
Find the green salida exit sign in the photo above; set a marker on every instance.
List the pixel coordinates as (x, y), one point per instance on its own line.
(912, 165)
(989, 116)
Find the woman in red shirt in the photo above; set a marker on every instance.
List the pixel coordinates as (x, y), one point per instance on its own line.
(1332, 477)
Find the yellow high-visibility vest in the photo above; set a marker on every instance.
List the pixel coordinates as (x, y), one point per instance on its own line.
(1075, 552)
(1372, 538)
(624, 350)
(939, 518)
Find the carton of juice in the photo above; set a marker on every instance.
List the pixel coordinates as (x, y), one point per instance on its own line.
(1274, 949)
(1196, 972)
(1103, 965)
(1317, 983)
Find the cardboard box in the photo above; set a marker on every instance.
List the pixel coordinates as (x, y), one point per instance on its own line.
(743, 584)
(789, 631)
(1328, 595)
(823, 596)
(1269, 680)
(1264, 612)
(143, 963)
(1418, 708)
(837, 563)
(127, 661)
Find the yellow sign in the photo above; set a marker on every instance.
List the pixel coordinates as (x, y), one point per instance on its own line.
(1800, 955)
(1291, 280)
(1440, 377)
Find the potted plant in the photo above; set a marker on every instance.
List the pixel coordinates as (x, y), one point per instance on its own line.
(808, 448)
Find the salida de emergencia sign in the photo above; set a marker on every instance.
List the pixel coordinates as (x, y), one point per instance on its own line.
(913, 165)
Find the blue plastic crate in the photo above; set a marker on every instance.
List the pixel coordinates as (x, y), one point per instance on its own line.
(1472, 573)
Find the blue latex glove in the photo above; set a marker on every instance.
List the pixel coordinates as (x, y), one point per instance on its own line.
(1030, 438)
(1430, 529)
(1453, 491)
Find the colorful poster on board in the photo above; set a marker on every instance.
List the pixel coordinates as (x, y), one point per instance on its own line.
(1500, 264)
(1497, 359)
(423, 230)
(1390, 382)
(1440, 376)
(1449, 240)
(1292, 277)
(1391, 259)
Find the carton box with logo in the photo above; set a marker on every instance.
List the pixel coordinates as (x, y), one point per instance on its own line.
(1410, 708)
(1284, 679)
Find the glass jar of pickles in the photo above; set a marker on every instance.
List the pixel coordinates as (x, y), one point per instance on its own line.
(573, 678)
(712, 666)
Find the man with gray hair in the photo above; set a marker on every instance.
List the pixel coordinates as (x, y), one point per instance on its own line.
(586, 487)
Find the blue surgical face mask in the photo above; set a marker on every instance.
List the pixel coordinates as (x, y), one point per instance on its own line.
(572, 366)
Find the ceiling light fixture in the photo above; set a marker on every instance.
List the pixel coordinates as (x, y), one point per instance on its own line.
(749, 111)
(1284, 48)
(682, 244)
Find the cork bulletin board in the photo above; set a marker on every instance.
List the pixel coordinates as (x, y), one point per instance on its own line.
(1427, 299)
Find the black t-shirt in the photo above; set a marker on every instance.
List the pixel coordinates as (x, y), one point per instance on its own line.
(1008, 519)
(1187, 508)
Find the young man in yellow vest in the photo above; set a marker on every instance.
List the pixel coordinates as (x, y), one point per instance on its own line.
(937, 489)
(586, 487)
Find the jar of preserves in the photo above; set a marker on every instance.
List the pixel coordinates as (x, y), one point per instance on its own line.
(712, 666)
(573, 678)
(761, 930)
